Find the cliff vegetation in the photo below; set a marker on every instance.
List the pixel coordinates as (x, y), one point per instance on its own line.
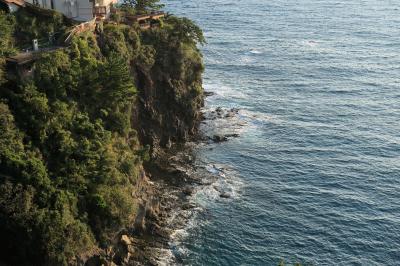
(75, 132)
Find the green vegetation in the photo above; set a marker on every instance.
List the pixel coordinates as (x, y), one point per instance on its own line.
(143, 6)
(6, 40)
(70, 156)
(32, 24)
(71, 152)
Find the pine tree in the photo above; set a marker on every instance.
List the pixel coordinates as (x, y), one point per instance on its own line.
(142, 6)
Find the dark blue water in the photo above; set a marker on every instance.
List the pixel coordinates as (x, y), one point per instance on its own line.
(315, 174)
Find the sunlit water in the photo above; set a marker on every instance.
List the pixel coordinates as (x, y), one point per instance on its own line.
(315, 175)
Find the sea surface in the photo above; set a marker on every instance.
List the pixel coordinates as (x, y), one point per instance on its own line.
(314, 176)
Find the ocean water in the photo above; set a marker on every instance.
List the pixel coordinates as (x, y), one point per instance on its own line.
(314, 176)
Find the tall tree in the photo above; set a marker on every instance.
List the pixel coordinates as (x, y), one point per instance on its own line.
(142, 6)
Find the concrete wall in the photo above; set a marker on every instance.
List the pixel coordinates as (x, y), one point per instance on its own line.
(81, 10)
(85, 9)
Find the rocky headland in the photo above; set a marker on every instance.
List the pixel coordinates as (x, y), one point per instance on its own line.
(95, 139)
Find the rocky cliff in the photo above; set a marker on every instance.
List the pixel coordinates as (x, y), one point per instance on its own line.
(170, 94)
(77, 126)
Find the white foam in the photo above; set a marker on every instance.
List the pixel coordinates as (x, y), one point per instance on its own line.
(163, 256)
(179, 234)
(256, 118)
(225, 181)
(311, 43)
(256, 52)
(212, 169)
(224, 91)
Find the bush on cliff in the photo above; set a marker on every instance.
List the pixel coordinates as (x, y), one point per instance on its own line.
(6, 41)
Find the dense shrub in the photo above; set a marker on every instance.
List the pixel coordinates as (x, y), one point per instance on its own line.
(66, 150)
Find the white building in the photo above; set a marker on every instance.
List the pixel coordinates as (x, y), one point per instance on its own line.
(11, 5)
(82, 10)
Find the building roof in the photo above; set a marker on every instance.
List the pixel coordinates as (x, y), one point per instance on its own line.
(15, 2)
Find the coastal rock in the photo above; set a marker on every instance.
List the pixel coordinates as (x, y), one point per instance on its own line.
(140, 221)
(169, 110)
(125, 240)
(152, 208)
(232, 135)
(218, 138)
(188, 191)
(208, 93)
(225, 195)
(188, 206)
(220, 113)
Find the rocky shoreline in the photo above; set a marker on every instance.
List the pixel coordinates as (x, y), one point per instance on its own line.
(165, 189)
(173, 178)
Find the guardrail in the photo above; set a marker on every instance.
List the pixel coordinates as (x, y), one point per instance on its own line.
(89, 25)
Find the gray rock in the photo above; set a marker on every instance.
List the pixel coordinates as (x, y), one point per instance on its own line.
(225, 195)
(218, 138)
(187, 190)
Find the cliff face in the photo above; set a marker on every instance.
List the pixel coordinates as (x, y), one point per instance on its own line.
(170, 93)
(75, 133)
(169, 107)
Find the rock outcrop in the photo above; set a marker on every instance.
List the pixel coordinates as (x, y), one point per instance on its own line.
(170, 98)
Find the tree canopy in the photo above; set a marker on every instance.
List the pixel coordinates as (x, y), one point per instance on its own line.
(143, 6)
(6, 40)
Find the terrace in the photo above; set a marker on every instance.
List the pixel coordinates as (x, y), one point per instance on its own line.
(145, 21)
(21, 65)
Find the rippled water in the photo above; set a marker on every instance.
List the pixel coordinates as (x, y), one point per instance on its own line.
(315, 174)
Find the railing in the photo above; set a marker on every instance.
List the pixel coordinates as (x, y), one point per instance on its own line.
(137, 17)
(89, 25)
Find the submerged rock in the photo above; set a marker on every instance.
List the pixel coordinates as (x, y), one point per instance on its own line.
(232, 135)
(218, 138)
(188, 206)
(208, 93)
(225, 195)
(220, 113)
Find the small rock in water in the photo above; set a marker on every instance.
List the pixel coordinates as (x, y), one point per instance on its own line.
(218, 138)
(208, 93)
(188, 206)
(225, 195)
(219, 112)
